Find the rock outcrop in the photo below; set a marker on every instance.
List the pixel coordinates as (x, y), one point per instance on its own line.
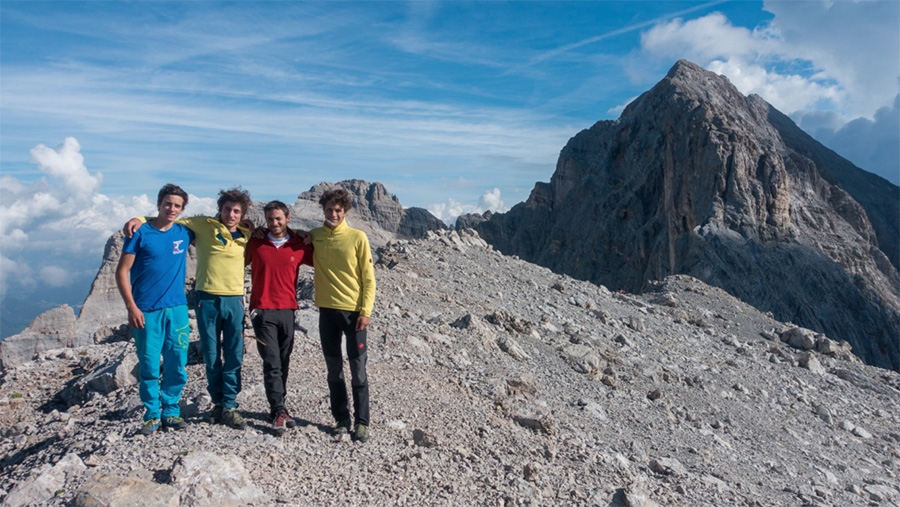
(696, 178)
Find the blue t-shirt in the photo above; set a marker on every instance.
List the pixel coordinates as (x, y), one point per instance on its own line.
(157, 275)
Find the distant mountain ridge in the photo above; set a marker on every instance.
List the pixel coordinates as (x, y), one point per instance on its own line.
(695, 178)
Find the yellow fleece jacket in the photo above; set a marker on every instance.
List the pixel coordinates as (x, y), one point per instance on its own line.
(344, 275)
(220, 259)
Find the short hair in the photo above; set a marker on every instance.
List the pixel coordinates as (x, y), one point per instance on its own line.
(236, 195)
(273, 205)
(171, 189)
(337, 196)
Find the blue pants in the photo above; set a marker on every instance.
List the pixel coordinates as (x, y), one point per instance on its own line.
(166, 334)
(220, 321)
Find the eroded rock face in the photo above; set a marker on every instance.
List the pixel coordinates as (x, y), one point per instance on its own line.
(695, 178)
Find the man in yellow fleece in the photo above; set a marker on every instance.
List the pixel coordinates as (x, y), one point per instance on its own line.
(219, 299)
(345, 294)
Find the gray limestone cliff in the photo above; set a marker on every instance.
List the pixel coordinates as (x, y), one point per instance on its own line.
(696, 178)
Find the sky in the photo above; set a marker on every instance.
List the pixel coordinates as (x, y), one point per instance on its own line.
(454, 106)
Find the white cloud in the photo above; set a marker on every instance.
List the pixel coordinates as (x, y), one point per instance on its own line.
(54, 276)
(450, 210)
(703, 39)
(66, 164)
(873, 145)
(787, 93)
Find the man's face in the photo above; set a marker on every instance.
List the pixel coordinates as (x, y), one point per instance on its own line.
(231, 214)
(170, 207)
(334, 214)
(277, 222)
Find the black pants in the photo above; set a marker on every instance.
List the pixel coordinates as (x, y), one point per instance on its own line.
(275, 341)
(333, 324)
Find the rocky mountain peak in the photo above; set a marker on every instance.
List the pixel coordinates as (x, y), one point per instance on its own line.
(696, 178)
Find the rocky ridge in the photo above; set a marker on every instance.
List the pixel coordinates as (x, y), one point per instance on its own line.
(695, 178)
(494, 382)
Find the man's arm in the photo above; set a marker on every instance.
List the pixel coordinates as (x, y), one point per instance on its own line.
(366, 283)
(135, 223)
(248, 252)
(123, 280)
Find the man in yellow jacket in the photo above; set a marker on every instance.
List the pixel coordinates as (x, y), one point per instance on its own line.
(345, 295)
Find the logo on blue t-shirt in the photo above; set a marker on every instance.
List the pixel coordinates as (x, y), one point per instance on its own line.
(176, 247)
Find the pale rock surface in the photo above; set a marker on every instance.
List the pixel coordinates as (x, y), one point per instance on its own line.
(206, 480)
(115, 491)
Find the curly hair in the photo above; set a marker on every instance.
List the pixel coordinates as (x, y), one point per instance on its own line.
(337, 196)
(171, 189)
(236, 195)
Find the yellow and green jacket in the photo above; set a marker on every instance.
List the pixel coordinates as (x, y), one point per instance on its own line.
(220, 259)
(344, 275)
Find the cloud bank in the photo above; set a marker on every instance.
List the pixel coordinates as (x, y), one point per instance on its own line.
(450, 210)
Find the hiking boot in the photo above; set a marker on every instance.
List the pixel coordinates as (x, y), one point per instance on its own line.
(279, 425)
(289, 421)
(174, 423)
(361, 433)
(342, 427)
(150, 427)
(233, 419)
(215, 415)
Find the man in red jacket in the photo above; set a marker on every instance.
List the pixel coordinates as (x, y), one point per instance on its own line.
(275, 264)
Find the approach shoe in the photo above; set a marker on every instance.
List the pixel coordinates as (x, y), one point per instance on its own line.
(150, 427)
(342, 427)
(361, 433)
(233, 419)
(215, 415)
(279, 424)
(289, 421)
(174, 423)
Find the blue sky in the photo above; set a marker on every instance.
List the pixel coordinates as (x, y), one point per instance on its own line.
(454, 106)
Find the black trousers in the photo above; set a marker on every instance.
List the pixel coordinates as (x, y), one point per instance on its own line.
(333, 324)
(275, 341)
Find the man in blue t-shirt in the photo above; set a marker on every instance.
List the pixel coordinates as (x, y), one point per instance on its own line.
(150, 277)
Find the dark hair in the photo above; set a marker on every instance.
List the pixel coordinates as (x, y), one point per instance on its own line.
(235, 195)
(273, 205)
(337, 196)
(170, 189)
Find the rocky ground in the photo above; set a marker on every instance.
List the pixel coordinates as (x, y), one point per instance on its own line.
(493, 382)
